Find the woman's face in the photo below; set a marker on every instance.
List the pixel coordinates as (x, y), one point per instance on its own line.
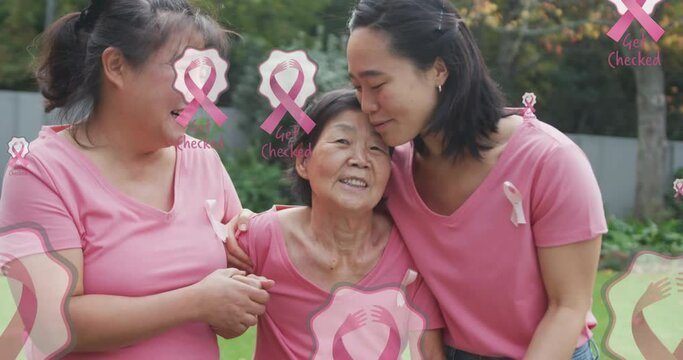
(399, 98)
(152, 99)
(349, 166)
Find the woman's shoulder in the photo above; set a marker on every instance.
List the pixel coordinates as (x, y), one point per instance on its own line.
(278, 219)
(290, 218)
(264, 230)
(544, 133)
(538, 140)
(47, 157)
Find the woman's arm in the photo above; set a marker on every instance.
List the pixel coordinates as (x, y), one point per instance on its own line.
(648, 343)
(105, 322)
(237, 257)
(568, 275)
(428, 347)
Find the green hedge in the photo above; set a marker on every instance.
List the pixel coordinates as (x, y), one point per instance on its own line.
(626, 238)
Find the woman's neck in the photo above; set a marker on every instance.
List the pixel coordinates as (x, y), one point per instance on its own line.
(106, 131)
(434, 145)
(345, 233)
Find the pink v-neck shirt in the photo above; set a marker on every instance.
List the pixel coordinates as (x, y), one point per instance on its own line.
(129, 248)
(301, 318)
(482, 268)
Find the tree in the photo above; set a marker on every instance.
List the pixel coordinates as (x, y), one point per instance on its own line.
(525, 26)
(21, 21)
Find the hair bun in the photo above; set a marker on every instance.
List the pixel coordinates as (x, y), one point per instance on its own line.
(90, 15)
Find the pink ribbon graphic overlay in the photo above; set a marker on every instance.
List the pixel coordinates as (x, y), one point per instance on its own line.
(40, 325)
(200, 95)
(17, 155)
(26, 309)
(635, 11)
(287, 103)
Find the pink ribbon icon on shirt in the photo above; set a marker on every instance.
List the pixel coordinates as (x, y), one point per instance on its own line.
(635, 10)
(18, 149)
(515, 198)
(213, 86)
(280, 67)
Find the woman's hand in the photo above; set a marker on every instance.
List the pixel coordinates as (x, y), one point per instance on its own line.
(229, 304)
(236, 256)
(655, 292)
(649, 344)
(259, 282)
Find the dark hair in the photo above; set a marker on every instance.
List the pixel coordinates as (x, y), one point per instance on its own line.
(471, 103)
(326, 108)
(69, 68)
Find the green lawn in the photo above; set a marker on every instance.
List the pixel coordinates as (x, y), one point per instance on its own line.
(600, 310)
(242, 348)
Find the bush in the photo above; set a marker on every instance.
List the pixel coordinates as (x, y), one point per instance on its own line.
(626, 238)
(259, 183)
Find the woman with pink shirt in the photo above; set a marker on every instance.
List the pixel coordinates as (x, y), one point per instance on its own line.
(118, 202)
(501, 213)
(345, 286)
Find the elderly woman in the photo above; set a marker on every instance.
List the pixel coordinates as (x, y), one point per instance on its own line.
(340, 237)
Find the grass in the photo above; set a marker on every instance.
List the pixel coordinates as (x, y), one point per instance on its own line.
(600, 310)
(242, 347)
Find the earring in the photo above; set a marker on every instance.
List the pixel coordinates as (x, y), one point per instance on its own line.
(440, 89)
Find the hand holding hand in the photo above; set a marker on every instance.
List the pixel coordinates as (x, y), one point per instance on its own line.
(227, 303)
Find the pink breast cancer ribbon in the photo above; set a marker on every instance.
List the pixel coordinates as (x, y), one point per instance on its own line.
(287, 99)
(200, 95)
(678, 188)
(219, 228)
(529, 100)
(635, 10)
(17, 155)
(515, 199)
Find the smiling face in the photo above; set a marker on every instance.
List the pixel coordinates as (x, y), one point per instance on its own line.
(151, 100)
(349, 166)
(399, 97)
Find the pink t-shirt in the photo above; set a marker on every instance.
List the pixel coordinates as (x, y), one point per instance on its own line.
(129, 248)
(303, 320)
(482, 268)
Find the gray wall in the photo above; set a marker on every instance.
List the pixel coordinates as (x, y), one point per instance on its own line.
(614, 163)
(21, 115)
(613, 159)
